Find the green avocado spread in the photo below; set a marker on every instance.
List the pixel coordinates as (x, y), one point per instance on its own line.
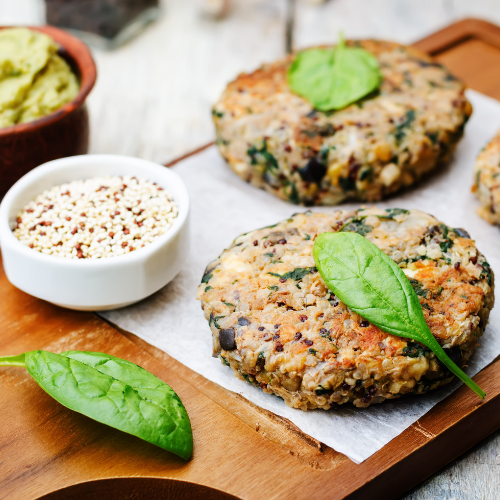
(34, 80)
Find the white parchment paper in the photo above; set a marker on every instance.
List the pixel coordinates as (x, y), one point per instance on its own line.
(223, 206)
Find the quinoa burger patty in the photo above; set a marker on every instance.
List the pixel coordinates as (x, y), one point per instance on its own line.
(487, 181)
(277, 141)
(278, 326)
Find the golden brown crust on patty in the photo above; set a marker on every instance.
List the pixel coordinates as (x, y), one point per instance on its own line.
(275, 140)
(275, 322)
(487, 181)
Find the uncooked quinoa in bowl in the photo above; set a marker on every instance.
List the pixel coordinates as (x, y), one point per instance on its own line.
(95, 232)
(96, 218)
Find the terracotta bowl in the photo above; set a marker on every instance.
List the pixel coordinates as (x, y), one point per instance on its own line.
(62, 133)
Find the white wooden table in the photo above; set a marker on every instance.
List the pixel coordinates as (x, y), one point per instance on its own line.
(153, 98)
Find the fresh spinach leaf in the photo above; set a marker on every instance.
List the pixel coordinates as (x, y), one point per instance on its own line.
(433, 137)
(294, 194)
(114, 392)
(413, 350)
(347, 184)
(262, 156)
(400, 130)
(357, 225)
(215, 319)
(392, 212)
(419, 288)
(13, 360)
(247, 378)
(366, 174)
(370, 283)
(445, 245)
(321, 390)
(333, 78)
(486, 272)
(297, 274)
(207, 277)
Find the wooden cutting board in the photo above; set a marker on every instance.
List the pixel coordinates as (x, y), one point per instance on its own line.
(241, 451)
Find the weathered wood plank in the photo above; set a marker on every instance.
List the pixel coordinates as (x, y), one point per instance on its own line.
(46, 446)
(153, 99)
(473, 476)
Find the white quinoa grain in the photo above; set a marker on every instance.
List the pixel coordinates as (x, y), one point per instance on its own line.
(96, 218)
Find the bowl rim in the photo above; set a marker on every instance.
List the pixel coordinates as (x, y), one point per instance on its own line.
(7, 237)
(79, 52)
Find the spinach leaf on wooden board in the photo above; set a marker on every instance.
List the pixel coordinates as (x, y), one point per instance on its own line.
(112, 391)
(333, 78)
(370, 283)
(13, 360)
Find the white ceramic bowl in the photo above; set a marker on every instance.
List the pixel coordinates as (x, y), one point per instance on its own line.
(93, 284)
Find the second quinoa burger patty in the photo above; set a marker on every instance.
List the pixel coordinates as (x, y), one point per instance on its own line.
(278, 326)
(275, 140)
(487, 181)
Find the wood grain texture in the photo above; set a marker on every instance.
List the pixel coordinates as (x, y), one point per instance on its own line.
(474, 476)
(45, 447)
(132, 488)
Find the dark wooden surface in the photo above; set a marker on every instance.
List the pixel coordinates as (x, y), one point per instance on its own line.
(239, 450)
(62, 133)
